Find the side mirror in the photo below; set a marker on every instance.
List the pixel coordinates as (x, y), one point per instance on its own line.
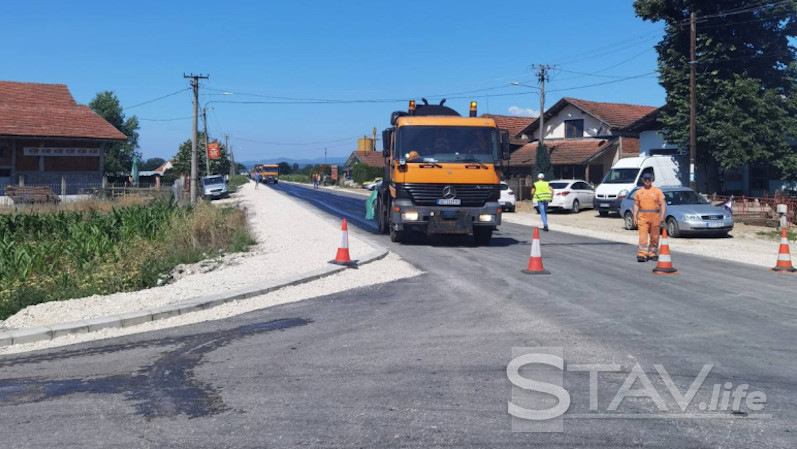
(387, 135)
(505, 154)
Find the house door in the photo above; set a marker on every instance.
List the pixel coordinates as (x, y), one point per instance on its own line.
(5, 179)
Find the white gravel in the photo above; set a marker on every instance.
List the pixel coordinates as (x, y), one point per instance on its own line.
(293, 239)
(740, 248)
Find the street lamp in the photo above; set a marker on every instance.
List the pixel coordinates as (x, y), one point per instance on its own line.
(541, 94)
(205, 122)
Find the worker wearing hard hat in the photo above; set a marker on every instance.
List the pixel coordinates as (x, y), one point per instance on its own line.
(649, 208)
(542, 194)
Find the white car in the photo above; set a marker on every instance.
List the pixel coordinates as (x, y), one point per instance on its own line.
(507, 200)
(571, 194)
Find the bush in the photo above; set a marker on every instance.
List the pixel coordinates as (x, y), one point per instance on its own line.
(296, 177)
(69, 254)
(361, 173)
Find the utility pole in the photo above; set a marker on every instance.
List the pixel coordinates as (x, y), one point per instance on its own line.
(692, 101)
(227, 148)
(207, 156)
(542, 75)
(325, 155)
(195, 84)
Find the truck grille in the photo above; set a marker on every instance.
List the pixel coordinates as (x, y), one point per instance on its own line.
(472, 195)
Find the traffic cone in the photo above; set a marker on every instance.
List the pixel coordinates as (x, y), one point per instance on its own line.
(784, 257)
(665, 261)
(342, 258)
(535, 261)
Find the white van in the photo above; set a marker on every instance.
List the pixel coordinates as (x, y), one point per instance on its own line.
(627, 173)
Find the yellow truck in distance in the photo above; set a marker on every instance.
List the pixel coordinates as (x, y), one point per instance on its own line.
(442, 173)
(268, 173)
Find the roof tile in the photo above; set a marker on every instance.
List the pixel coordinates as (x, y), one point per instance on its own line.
(563, 152)
(48, 110)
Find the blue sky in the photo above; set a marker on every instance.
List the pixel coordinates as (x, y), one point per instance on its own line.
(355, 50)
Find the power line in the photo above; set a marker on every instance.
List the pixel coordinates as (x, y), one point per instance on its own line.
(642, 75)
(164, 119)
(347, 139)
(156, 99)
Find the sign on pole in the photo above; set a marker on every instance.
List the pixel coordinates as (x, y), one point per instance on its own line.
(213, 150)
(334, 173)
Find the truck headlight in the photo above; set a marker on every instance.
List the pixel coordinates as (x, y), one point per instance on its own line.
(409, 216)
(486, 218)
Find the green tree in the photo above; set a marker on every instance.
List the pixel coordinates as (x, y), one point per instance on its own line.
(745, 65)
(542, 164)
(284, 168)
(182, 160)
(152, 163)
(118, 156)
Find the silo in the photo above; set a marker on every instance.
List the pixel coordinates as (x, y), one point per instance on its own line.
(365, 144)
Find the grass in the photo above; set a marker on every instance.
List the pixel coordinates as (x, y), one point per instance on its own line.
(775, 234)
(237, 181)
(81, 250)
(296, 177)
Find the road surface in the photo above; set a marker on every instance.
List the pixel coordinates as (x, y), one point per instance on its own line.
(423, 362)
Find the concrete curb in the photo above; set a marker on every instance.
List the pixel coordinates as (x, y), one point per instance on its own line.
(44, 333)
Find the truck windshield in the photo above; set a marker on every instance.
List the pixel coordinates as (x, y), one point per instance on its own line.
(621, 176)
(447, 144)
(213, 180)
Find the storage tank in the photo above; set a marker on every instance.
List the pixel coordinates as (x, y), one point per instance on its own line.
(365, 144)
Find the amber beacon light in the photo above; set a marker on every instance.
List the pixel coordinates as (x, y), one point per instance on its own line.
(473, 109)
(412, 107)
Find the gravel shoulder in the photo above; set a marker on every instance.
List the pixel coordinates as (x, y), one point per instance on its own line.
(292, 239)
(742, 246)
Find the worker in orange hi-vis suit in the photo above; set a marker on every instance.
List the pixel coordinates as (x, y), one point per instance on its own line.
(649, 208)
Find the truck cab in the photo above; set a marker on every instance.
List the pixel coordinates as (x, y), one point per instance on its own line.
(442, 173)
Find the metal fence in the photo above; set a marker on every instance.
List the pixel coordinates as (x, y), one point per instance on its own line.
(759, 210)
(71, 192)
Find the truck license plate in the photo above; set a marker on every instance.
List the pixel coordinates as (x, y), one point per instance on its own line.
(451, 202)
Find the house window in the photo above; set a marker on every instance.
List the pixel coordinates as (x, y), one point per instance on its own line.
(574, 129)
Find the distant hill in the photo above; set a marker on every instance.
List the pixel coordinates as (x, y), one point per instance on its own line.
(335, 160)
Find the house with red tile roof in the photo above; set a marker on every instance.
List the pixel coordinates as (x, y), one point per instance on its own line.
(584, 138)
(513, 124)
(46, 138)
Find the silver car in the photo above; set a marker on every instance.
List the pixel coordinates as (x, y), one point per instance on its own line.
(214, 187)
(687, 213)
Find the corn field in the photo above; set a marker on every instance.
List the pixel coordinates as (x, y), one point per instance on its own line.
(66, 254)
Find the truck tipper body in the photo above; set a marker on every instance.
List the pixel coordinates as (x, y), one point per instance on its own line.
(442, 173)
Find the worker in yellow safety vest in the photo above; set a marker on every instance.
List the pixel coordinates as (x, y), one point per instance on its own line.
(649, 209)
(542, 194)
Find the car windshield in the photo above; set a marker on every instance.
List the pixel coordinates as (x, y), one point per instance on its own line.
(558, 185)
(213, 180)
(447, 144)
(621, 176)
(678, 197)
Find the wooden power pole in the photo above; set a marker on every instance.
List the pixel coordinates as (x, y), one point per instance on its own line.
(692, 102)
(205, 126)
(195, 84)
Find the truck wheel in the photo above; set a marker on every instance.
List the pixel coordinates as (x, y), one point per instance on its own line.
(482, 235)
(396, 236)
(381, 217)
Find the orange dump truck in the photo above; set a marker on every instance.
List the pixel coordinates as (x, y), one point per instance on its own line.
(442, 173)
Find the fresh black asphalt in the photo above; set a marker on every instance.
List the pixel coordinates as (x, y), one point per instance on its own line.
(422, 362)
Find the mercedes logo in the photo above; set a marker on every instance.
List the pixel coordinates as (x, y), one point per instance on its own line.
(449, 192)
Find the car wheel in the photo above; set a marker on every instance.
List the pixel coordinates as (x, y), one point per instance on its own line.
(482, 235)
(511, 208)
(576, 207)
(603, 213)
(672, 227)
(629, 221)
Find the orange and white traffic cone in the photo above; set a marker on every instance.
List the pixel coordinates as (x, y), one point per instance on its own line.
(665, 261)
(342, 258)
(535, 261)
(784, 257)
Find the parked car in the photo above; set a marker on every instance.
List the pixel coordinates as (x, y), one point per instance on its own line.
(687, 212)
(571, 194)
(626, 174)
(214, 187)
(507, 199)
(370, 185)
